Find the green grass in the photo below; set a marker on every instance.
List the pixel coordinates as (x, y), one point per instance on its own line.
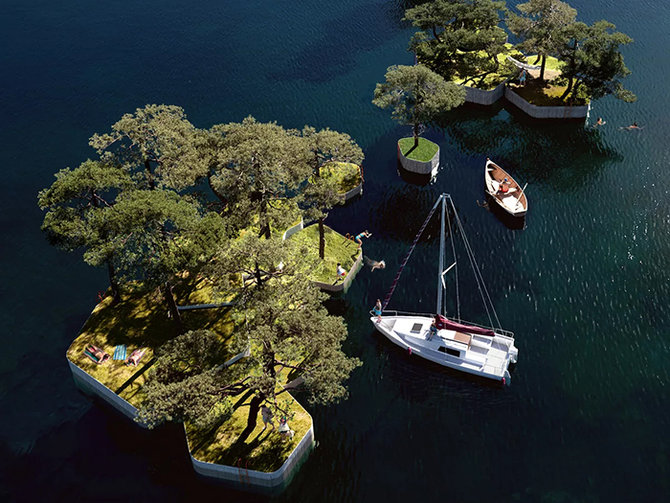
(346, 174)
(551, 64)
(139, 320)
(264, 451)
(338, 249)
(425, 151)
(493, 80)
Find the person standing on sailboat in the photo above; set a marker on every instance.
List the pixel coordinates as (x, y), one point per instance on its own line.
(377, 310)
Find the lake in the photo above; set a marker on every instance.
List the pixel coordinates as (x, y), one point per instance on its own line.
(584, 286)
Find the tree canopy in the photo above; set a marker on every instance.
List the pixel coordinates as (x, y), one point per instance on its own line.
(416, 95)
(283, 328)
(137, 209)
(74, 204)
(158, 144)
(593, 63)
(458, 37)
(543, 26)
(322, 193)
(260, 165)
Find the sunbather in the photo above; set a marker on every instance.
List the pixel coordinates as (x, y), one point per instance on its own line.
(135, 357)
(96, 354)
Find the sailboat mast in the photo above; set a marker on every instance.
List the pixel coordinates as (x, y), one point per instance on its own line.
(440, 266)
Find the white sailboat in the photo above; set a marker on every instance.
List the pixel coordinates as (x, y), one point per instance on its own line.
(468, 347)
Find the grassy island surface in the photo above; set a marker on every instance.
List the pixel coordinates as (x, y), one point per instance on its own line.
(347, 175)
(338, 249)
(264, 450)
(549, 91)
(424, 152)
(138, 320)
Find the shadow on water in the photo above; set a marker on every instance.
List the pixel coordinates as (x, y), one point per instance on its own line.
(509, 221)
(413, 178)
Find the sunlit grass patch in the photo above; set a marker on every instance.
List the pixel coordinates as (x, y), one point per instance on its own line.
(338, 249)
(424, 152)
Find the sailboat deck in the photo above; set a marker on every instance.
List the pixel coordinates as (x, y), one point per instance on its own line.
(476, 354)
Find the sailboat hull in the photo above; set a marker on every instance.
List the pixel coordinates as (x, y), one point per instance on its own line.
(481, 355)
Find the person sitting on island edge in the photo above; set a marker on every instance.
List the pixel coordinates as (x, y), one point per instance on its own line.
(364, 234)
(341, 271)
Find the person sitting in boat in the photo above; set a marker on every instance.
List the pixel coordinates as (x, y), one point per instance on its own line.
(503, 188)
(432, 330)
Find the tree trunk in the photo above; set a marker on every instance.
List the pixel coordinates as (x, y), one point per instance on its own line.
(322, 240)
(568, 89)
(150, 175)
(254, 407)
(166, 289)
(544, 63)
(263, 220)
(538, 59)
(220, 197)
(415, 131)
(113, 283)
(259, 278)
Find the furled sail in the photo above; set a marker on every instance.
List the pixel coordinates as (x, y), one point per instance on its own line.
(444, 323)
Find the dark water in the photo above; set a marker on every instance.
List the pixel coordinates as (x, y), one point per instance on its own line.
(584, 285)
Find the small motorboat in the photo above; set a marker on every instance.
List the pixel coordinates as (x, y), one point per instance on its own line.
(505, 190)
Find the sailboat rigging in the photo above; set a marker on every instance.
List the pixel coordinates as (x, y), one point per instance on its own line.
(486, 351)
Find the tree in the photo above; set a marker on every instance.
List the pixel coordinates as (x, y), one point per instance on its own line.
(544, 27)
(158, 143)
(73, 204)
(281, 323)
(188, 382)
(158, 235)
(321, 194)
(458, 37)
(416, 95)
(593, 62)
(259, 166)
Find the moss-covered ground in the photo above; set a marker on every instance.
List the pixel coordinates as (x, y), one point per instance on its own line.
(494, 79)
(338, 249)
(347, 175)
(139, 320)
(549, 91)
(264, 449)
(424, 152)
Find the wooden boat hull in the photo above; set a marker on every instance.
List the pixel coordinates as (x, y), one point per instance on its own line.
(479, 355)
(514, 201)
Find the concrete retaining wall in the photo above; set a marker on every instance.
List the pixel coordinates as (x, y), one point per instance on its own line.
(246, 479)
(90, 385)
(292, 230)
(538, 112)
(356, 191)
(419, 167)
(481, 97)
(343, 286)
(259, 481)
